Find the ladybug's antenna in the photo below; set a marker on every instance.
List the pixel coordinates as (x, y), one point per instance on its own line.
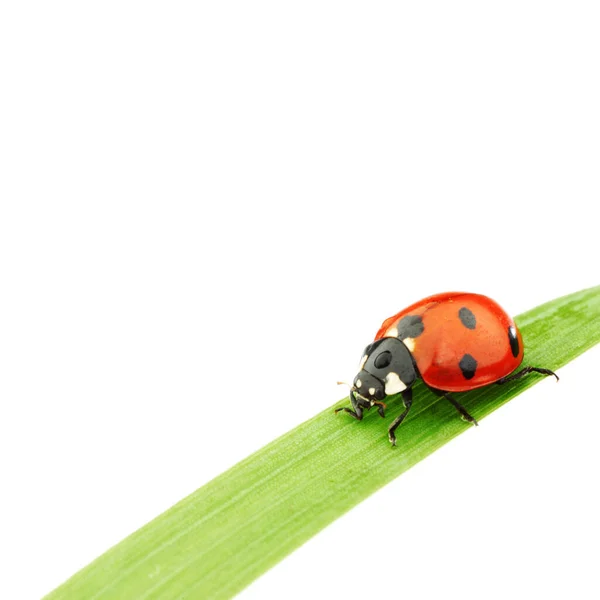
(344, 383)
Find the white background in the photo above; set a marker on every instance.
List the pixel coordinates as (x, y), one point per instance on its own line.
(209, 206)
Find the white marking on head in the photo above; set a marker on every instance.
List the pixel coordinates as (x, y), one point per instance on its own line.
(358, 383)
(372, 391)
(409, 343)
(363, 360)
(393, 384)
(392, 332)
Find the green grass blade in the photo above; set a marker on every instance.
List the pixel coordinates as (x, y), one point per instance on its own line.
(223, 536)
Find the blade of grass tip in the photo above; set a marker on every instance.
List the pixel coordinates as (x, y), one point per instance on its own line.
(223, 536)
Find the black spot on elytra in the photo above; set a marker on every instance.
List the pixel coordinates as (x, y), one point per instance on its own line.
(410, 326)
(383, 360)
(468, 366)
(467, 318)
(514, 340)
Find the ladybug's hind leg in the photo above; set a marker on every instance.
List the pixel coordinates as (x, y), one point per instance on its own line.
(460, 408)
(525, 371)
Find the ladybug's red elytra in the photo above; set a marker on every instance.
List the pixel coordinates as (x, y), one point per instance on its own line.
(454, 342)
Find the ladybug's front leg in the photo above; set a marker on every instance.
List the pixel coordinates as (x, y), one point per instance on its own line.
(380, 408)
(407, 400)
(357, 413)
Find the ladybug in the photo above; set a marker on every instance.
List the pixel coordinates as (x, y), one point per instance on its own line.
(454, 342)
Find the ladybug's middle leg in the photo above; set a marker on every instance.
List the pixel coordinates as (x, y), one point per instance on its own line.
(460, 408)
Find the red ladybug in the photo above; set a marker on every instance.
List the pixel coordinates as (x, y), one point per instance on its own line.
(454, 342)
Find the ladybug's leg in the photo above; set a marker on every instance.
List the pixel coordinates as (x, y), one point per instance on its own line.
(380, 408)
(525, 371)
(460, 408)
(357, 413)
(407, 400)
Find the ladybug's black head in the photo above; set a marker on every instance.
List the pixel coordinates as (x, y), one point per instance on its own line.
(387, 368)
(368, 387)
